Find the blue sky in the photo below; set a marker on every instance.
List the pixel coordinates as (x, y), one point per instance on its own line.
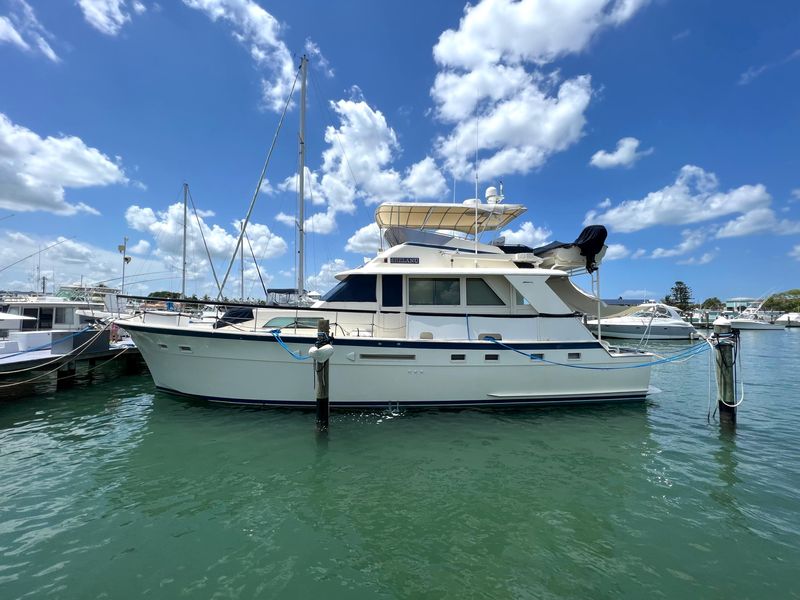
(674, 123)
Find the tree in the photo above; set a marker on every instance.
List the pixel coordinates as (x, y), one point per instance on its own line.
(712, 303)
(680, 295)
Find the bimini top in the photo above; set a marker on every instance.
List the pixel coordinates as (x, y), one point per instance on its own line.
(450, 217)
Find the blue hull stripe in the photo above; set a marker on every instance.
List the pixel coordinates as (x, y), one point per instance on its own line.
(364, 342)
(505, 403)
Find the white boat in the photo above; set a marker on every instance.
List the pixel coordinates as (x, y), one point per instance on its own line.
(649, 321)
(433, 320)
(752, 318)
(791, 319)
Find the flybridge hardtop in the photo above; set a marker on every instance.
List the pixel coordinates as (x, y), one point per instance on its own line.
(464, 218)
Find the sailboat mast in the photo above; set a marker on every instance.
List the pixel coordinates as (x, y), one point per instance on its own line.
(185, 210)
(301, 234)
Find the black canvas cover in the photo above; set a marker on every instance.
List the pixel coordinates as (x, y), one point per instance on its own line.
(590, 241)
(233, 315)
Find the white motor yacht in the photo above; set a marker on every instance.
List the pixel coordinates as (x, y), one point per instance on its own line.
(653, 321)
(753, 318)
(433, 320)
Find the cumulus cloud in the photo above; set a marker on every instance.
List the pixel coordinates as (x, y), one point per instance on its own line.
(366, 240)
(358, 163)
(626, 154)
(692, 239)
(22, 29)
(35, 171)
(260, 33)
(166, 228)
(795, 194)
(109, 16)
(140, 247)
(759, 220)
(486, 84)
(616, 252)
(795, 252)
(528, 235)
(69, 261)
(325, 279)
(693, 197)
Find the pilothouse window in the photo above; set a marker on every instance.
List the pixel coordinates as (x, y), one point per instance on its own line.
(480, 294)
(356, 288)
(438, 291)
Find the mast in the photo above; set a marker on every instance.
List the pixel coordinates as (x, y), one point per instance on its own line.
(183, 270)
(301, 240)
(241, 265)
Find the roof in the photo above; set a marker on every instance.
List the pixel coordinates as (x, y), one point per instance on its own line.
(450, 217)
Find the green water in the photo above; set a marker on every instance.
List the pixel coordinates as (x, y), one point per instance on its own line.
(112, 490)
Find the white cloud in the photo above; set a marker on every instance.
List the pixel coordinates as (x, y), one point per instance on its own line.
(616, 251)
(795, 194)
(325, 280)
(141, 247)
(758, 220)
(640, 252)
(692, 239)
(605, 203)
(108, 16)
(753, 72)
(357, 163)
(521, 117)
(166, 228)
(22, 29)
(260, 32)
(636, 294)
(35, 171)
(795, 252)
(69, 261)
(528, 235)
(316, 58)
(694, 197)
(512, 31)
(700, 260)
(626, 154)
(367, 240)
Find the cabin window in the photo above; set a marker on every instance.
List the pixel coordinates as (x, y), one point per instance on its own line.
(438, 291)
(63, 315)
(30, 312)
(356, 288)
(519, 299)
(573, 355)
(480, 294)
(392, 288)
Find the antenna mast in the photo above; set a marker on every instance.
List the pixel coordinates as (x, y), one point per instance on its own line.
(301, 240)
(183, 269)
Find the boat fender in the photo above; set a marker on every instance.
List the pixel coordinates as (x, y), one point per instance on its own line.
(322, 354)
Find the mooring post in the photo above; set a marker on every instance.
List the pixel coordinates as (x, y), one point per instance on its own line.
(725, 342)
(321, 352)
(65, 376)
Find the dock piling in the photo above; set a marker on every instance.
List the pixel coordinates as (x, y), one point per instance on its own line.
(725, 343)
(321, 353)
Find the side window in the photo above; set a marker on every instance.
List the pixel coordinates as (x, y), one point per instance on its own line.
(356, 288)
(392, 290)
(480, 294)
(439, 291)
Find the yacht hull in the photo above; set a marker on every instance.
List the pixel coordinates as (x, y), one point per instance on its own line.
(635, 332)
(254, 368)
(755, 325)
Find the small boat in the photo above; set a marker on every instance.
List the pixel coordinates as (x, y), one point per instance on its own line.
(653, 320)
(753, 319)
(791, 319)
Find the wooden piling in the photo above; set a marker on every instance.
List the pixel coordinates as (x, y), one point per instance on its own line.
(321, 369)
(725, 358)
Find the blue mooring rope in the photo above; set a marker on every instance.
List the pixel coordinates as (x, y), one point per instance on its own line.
(276, 333)
(688, 353)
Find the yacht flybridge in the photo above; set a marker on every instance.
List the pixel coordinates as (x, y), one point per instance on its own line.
(437, 318)
(433, 320)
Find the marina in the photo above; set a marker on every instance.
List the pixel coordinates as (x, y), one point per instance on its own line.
(493, 299)
(122, 487)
